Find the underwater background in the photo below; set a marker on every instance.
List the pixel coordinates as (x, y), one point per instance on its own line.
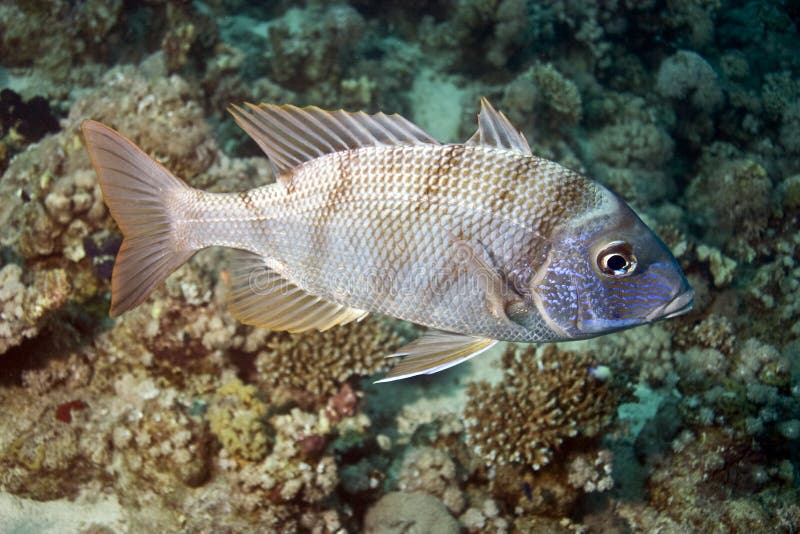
(176, 418)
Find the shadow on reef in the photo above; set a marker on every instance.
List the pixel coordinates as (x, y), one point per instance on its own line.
(63, 335)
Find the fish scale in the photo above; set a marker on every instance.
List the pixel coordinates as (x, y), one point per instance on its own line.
(481, 241)
(322, 211)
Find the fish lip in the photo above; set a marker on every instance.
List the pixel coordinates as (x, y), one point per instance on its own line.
(679, 305)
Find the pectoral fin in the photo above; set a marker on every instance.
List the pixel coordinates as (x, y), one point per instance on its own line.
(434, 352)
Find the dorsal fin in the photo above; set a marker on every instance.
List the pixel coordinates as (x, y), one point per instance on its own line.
(289, 135)
(494, 129)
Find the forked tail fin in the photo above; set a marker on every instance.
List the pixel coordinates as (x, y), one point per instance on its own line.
(143, 198)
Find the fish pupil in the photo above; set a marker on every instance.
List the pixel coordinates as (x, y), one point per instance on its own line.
(617, 263)
(617, 259)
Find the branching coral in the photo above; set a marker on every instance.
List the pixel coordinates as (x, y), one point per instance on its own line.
(70, 31)
(161, 443)
(543, 88)
(557, 92)
(544, 399)
(314, 365)
(684, 487)
(591, 474)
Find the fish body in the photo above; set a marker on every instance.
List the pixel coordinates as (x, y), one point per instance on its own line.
(482, 240)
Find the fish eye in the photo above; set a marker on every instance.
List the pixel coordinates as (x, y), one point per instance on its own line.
(616, 259)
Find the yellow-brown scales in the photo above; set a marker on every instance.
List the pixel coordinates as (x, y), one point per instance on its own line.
(312, 367)
(543, 400)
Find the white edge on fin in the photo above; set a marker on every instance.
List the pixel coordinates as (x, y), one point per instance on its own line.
(435, 351)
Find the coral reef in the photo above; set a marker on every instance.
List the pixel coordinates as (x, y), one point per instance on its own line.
(174, 417)
(25, 306)
(409, 512)
(687, 76)
(236, 418)
(552, 396)
(313, 366)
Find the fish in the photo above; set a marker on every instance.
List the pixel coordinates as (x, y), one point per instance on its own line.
(480, 241)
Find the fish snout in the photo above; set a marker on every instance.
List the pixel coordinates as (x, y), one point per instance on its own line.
(680, 304)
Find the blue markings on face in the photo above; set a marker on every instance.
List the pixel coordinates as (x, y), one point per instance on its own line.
(584, 302)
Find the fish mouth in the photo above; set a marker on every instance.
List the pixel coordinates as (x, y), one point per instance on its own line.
(677, 306)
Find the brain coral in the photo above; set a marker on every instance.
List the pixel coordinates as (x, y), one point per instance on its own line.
(543, 400)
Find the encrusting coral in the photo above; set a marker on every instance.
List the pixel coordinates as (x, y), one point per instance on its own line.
(546, 398)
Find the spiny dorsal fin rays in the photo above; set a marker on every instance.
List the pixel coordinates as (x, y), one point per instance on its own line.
(494, 129)
(435, 351)
(290, 136)
(259, 296)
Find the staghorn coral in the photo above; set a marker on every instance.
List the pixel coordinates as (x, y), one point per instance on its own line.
(314, 365)
(545, 399)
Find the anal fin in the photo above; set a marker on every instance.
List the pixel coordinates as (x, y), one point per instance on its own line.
(434, 352)
(261, 297)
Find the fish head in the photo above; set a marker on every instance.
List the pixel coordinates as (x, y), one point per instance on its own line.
(608, 271)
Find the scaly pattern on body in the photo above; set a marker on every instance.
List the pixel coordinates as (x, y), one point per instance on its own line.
(481, 240)
(382, 228)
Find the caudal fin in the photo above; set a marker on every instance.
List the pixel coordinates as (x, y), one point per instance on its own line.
(142, 196)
